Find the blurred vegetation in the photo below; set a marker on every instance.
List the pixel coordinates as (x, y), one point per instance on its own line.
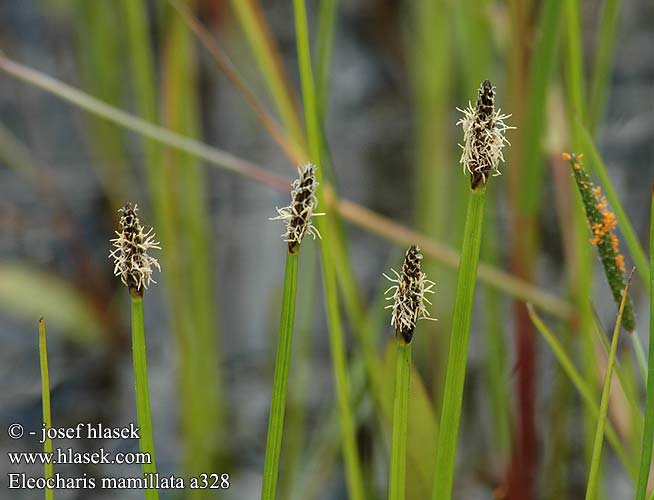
(141, 82)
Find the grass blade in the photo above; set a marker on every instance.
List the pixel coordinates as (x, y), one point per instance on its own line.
(606, 35)
(45, 399)
(593, 476)
(282, 363)
(542, 64)
(143, 411)
(288, 145)
(458, 354)
(582, 387)
(295, 437)
(324, 47)
(336, 336)
(648, 432)
(397, 479)
(270, 63)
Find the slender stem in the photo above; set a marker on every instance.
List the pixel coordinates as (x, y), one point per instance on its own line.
(324, 46)
(458, 354)
(270, 63)
(45, 399)
(280, 382)
(625, 378)
(351, 458)
(296, 435)
(648, 431)
(593, 476)
(582, 387)
(640, 354)
(143, 412)
(289, 146)
(606, 36)
(397, 479)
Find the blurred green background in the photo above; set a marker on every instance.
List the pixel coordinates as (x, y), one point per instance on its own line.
(389, 77)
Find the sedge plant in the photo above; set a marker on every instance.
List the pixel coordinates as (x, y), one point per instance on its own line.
(351, 458)
(483, 129)
(45, 401)
(135, 266)
(298, 224)
(408, 296)
(603, 223)
(593, 475)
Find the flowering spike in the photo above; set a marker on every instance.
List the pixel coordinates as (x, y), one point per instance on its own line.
(408, 295)
(483, 136)
(602, 223)
(303, 203)
(132, 262)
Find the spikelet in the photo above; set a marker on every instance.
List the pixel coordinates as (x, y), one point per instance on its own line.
(408, 295)
(483, 136)
(299, 213)
(602, 223)
(132, 263)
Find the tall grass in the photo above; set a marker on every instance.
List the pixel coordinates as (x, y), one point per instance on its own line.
(336, 335)
(397, 477)
(45, 401)
(458, 354)
(648, 431)
(593, 475)
(280, 380)
(142, 389)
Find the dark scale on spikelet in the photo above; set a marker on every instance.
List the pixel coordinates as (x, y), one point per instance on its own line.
(481, 165)
(411, 278)
(299, 213)
(408, 295)
(305, 191)
(133, 264)
(486, 100)
(602, 224)
(483, 134)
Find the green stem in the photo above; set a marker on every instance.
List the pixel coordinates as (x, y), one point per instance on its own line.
(397, 480)
(640, 354)
(324, 46)
(143, 412)
(334, 323)
(582, 387)
(45, 398)
(648, 431)
(295, 438)
(625, 377)
(458, 354)
(593, 476)
(280, 383)
(270, 63)
(606, 36)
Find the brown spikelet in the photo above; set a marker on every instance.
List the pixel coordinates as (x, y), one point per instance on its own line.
(299, 213)
(483, 135)
(408, 295)
(133, 264)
